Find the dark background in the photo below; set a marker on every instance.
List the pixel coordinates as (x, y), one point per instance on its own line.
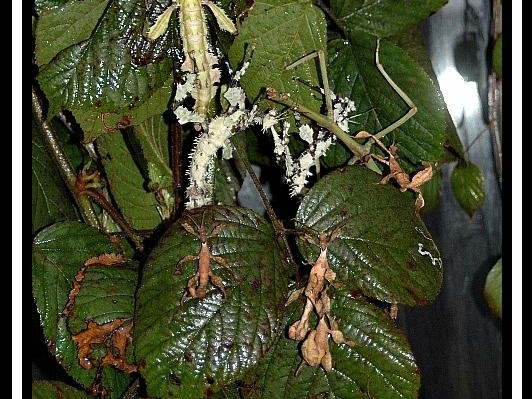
(456, 341)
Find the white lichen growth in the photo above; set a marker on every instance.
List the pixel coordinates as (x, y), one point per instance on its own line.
(184, 115)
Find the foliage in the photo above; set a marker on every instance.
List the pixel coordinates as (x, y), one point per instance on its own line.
(493, 289)
(150, 278)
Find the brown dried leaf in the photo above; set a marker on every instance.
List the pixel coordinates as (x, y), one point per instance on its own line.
(114, 336)
(106, 260)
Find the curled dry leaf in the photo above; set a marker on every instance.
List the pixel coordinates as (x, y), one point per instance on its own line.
(113, 337)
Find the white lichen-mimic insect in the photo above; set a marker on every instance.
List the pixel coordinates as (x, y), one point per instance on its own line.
(199, 59)
(219, 130)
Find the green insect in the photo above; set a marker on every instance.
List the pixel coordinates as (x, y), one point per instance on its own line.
(194, 34)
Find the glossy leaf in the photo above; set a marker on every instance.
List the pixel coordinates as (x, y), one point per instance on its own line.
(115, 68)
(493, 289)
(151, 142)
(95, 123)
(126, 182)
(379, 365)
(467, 183)
(50, 198)
(54, 29)
(353, 73)
(382, 18)
(106, 294)
(55, 390)
(59, 252)
(206, 343)
(282, 32)
(383, 250)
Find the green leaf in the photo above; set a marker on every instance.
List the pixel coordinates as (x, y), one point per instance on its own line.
(106, 294)
(50, 199)
(496, 60)
(467, 183)
(55, 27)
(44, 5)
(384, 17)
(383, 249)
(55, 390)
(493, 289)
(152, 138)
(94, 122)
(379, 365)
(226, 183)
(59, 252)
(126, 182)
(116, 68)
(230, 392)
(209, 342)
(282, 32)
(353, 73)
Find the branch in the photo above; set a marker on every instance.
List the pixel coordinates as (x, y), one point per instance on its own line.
(278, 226)
(55, 151)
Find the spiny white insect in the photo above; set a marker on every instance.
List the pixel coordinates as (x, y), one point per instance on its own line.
(297, 171)
(342, 108)
(199, 59)
(219, 130)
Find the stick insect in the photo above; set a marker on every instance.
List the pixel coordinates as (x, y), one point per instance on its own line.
(327, 121)
(199, 59)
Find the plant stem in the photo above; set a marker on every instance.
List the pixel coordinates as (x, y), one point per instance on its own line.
(176, 143)
(57, 154)
(277, 224)
(117, 218)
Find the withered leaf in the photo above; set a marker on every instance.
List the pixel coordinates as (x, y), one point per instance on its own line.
(113, 336)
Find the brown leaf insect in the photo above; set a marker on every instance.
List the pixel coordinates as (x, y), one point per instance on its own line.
(197, 284)
(397, 173)
(315, 346)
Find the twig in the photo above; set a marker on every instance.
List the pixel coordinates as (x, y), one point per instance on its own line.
(57, 154)
(115, 215)
(177, 153)
(277, 224)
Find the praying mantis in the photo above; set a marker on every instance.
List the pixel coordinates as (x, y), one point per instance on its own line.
(199, 59)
